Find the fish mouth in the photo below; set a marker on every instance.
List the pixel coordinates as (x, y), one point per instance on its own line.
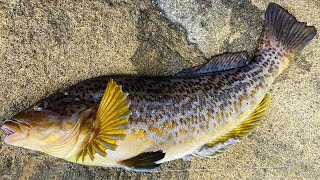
(10, 126)
(14, 130)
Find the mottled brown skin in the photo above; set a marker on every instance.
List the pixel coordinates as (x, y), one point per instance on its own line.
(166, 99)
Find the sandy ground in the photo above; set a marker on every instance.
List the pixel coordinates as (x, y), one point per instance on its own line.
(47, 46)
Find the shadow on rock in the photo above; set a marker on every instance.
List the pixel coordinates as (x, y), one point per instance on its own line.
(247, 20)
(163, 48)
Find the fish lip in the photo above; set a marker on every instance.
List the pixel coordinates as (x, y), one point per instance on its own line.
(8, 130)
(12, 128)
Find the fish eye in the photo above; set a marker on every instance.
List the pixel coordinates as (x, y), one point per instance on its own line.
(40, 106)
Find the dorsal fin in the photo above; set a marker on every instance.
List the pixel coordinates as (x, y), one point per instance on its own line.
(144, 161)
(110, 123)
(218, 63)
(221, 144)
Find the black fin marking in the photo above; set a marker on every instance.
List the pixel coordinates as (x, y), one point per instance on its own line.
(222, 143)
(144, 161)
(283, 27)
(218, 63)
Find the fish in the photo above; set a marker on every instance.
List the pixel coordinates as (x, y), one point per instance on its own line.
(138, 123)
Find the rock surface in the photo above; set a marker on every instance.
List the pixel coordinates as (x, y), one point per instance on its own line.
(47, 46)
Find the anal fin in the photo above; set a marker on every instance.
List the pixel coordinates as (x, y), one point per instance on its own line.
(221, 144)
(143, 162)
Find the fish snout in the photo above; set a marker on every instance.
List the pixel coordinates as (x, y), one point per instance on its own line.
(10, 126)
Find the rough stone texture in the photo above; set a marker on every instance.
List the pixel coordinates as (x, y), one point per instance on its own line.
(47, 46)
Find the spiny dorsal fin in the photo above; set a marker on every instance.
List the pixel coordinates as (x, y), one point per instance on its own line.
(110, 124)
(222, 143)
(218, 63)
(144, 161)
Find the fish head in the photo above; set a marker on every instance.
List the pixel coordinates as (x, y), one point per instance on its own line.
(46, 124)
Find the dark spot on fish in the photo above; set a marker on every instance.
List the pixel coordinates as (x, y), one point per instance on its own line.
(176, 134)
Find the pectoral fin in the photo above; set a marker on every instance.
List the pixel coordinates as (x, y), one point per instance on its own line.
(110, 123)
(222, 143)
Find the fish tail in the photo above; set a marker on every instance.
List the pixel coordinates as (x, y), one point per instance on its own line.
(283, 35)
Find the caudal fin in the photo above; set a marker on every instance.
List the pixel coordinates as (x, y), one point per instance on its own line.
(282, 30)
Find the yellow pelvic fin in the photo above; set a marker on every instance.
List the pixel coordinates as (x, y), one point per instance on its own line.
(110, 123)
(243, 129)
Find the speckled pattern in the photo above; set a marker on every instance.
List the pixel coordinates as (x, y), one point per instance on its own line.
(272, 151)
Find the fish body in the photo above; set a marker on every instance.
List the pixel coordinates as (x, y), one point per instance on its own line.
(179, 114)
(198, 112)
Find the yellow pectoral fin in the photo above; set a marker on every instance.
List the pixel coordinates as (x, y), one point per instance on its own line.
(113, 112)
(110, 124)
(245, 128)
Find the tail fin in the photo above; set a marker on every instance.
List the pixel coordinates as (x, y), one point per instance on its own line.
(282, 30)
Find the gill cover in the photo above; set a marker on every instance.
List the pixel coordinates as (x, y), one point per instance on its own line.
(110, 123)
